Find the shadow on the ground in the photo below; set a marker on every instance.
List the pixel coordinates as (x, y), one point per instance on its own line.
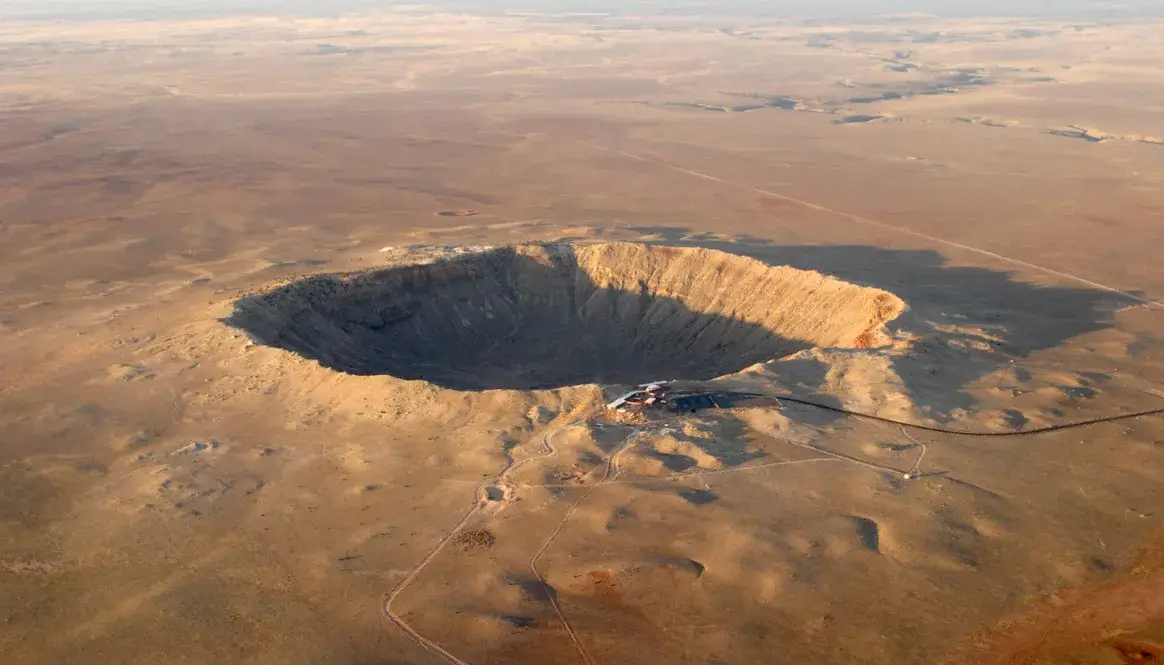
(973, 321)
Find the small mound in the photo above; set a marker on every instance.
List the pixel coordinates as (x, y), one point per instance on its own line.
(547, 316)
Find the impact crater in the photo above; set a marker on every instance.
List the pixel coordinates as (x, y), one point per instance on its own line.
(544, 316)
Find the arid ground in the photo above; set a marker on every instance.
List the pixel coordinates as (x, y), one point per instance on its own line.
(307, 325)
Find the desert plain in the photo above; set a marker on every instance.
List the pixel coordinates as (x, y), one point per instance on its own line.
(308, 322)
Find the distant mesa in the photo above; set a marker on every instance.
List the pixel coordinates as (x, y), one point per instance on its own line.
(945, 82)
(949, 82)
(986, 122)
(1096, 136)
(1089, 135)
(340, 49)
(858, 119)
(762, 101)
(778, 101)
(926, 38)
(1030, 33)
(966, 76)
(883, 97)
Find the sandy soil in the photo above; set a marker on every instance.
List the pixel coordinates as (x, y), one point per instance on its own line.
(969, 209)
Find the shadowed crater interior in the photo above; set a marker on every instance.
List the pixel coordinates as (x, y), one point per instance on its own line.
(542, 316)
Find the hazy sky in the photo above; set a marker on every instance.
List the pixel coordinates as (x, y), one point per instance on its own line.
(800, 8)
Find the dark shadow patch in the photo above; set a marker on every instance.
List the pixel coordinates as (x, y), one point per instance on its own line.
(1079, 133)
(883, 97)
(607, 440)
(533, 590)
(1026, 317)
(518, 621)
(699, 497)
(91, 413)
(589, 459)
(1101, 565)
(782, 102)
(26, 498)
(868, 532)
(92, 466)
(1015, 418)
(962, 541)
(1079, 392)
(508, 443)
(730, 446)
(617, 517)
(693, 403)
(672, 461)
(1094, 377)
